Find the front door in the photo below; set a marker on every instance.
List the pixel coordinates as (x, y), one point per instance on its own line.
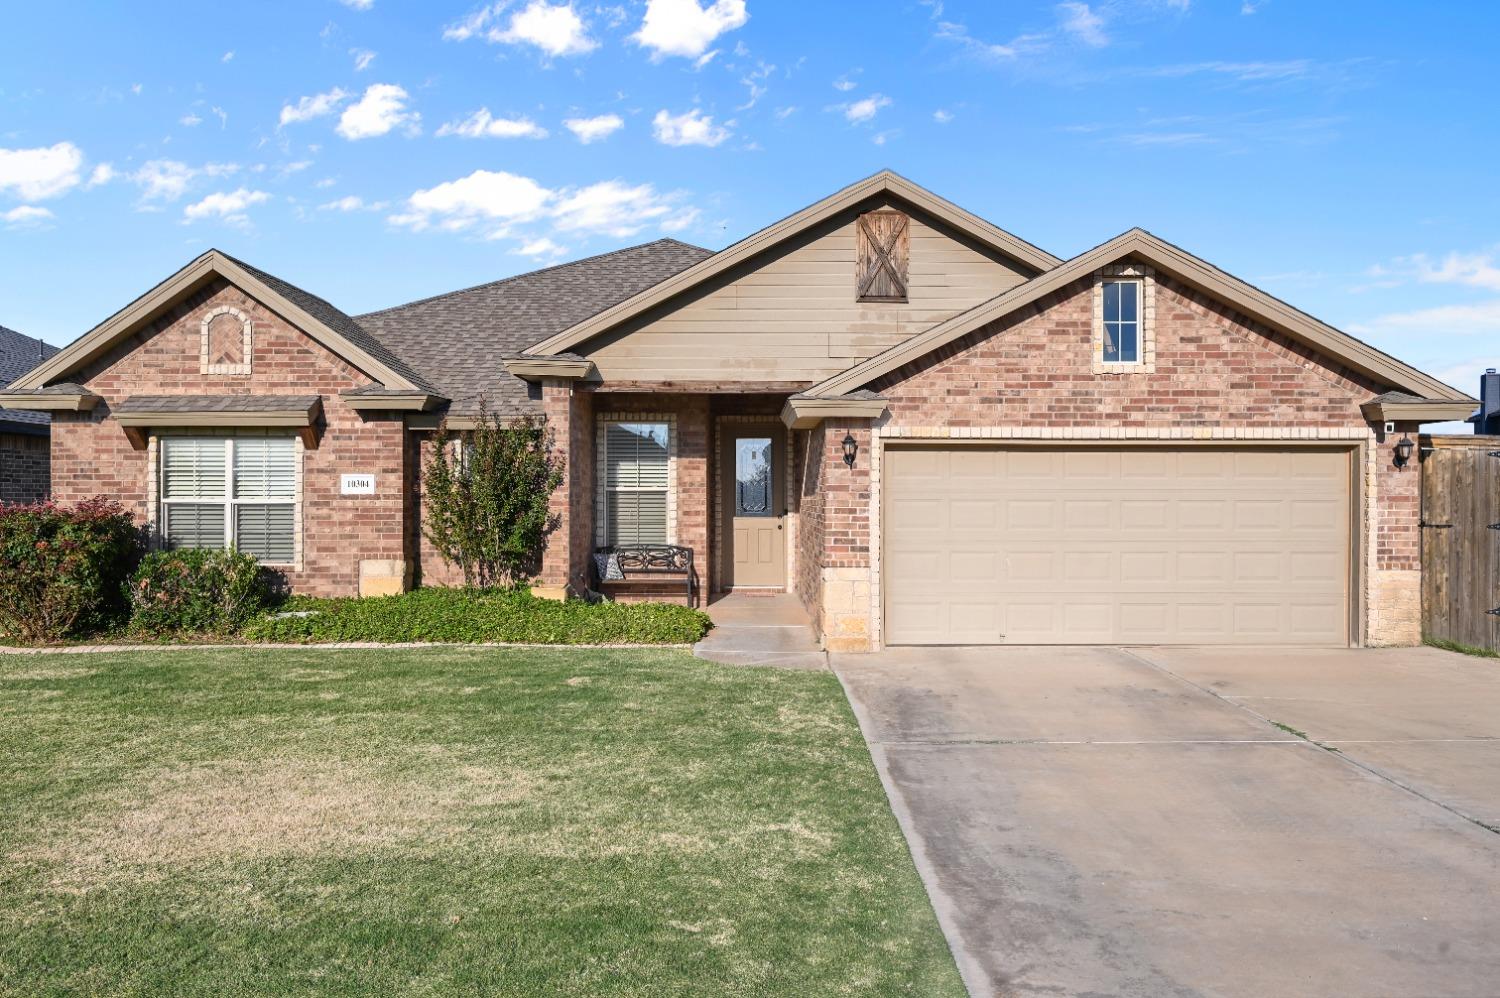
(753, 464)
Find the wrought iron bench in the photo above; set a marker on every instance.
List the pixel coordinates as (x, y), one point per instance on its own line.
(646, 570)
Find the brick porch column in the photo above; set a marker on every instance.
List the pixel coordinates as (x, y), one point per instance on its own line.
(846, 565)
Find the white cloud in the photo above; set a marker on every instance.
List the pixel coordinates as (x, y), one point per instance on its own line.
(190, 120)
(556, 30)
(40, 173)
(690, 128)
(542, 248)
(102, 174)
(1476, 318)
(864, 109)
(941, 116)
(26, 216)
(315, 106)
(1251, 6)
(227, 56)
(363, 58)
(843, 84)
(221, 114)
(360, 5)
(612, 208)
(1083, 24)
(683, 28)
(481, 125)
(169, 179)
(1476, 270)
(992, 52)
(228, 206)
(352, 203)
(378, 112)
(783, 113)
(593, 129)
(498, 205)
(483, 196)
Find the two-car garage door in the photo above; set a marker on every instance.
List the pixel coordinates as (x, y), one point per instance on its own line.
(1116, 545)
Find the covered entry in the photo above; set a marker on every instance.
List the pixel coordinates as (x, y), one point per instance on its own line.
(1117, 545)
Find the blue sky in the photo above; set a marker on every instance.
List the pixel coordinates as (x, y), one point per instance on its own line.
(376, 151)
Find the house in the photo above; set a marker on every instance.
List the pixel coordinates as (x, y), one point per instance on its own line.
(927, 428)
(1486, 418)
(24, 453)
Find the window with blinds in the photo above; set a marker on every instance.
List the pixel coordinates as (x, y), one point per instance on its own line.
(635, 482)
(235, 492)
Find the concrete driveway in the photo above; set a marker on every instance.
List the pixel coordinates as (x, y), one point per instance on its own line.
(1095, 821)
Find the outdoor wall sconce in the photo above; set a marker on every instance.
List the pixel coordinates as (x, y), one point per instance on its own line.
(851, 447)
(1404, 447)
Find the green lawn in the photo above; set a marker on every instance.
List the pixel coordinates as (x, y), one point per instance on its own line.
(446, 821)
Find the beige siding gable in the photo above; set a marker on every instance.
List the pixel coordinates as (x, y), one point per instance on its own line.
(793, 314)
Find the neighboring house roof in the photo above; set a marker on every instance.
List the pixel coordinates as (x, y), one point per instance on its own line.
(460, 341)
(883, 183)
(19, 354)
(1183, 266)
(309, 313)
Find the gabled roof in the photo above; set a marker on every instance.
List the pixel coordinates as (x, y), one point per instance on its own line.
(885, 182)
(1180, 264)
(19, 354)
(460, 341)
(317, 318)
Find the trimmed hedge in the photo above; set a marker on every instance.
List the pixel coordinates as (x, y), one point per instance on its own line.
(63, 569)
(479, 615)
(195, 590)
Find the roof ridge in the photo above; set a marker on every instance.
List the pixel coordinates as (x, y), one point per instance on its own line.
(533, 273)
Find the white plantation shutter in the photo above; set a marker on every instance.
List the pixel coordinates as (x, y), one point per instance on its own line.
(264, 468)
(635, 480)
(194, 525)
(220, 492)
(265, 531)
(192, 468)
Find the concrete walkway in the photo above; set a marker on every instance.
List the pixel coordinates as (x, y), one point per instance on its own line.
(761, 630)
(1155, 822)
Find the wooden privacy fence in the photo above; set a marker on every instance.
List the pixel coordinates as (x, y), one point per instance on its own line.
(1461, 540)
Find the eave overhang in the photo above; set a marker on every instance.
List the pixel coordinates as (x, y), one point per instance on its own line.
(390, 401)
(1418, 410)
(540, 368)
(50, 400)
(803, 412)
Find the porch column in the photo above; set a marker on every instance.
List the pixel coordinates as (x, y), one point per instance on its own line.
(846, 542)
(569, 414)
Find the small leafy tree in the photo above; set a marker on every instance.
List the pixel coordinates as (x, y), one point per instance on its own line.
(63, 568)
(487, 498)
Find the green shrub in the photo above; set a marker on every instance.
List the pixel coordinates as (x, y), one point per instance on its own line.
(63, 570)
(196, 590)
(473, 615)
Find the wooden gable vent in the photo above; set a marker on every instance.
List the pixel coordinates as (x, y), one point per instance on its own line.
(884, 255)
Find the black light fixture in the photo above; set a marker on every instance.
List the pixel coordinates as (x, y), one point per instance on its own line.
(1404, 447)
(851, 447)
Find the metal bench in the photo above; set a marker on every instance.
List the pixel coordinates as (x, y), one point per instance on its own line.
(648, 570)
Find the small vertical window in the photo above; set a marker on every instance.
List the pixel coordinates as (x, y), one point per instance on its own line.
(1122, 322)
(636, 481)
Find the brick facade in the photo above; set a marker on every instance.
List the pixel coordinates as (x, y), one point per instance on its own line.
(91, 454)
(1218, 375)
(25, 467)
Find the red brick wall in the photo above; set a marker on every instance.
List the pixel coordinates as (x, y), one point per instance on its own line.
(92, 456)
(1398, 541)
(25, 467)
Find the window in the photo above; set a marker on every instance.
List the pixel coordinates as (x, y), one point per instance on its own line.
(1122, 322)
(1124, 313)
(753, 477)
(235, 492)
(636, 482)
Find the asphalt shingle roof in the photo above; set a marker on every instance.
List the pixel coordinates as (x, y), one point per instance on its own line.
(215, 403)
(338, 321)
(458, 342)
(19, 354)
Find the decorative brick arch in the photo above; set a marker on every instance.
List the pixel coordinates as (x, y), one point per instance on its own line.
(210, 353)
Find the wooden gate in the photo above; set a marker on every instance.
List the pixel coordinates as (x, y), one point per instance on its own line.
(1461, 540)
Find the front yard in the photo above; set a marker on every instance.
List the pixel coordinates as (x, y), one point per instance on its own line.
(446, 821)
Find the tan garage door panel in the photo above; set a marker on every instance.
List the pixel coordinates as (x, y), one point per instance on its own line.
(1102, 545)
